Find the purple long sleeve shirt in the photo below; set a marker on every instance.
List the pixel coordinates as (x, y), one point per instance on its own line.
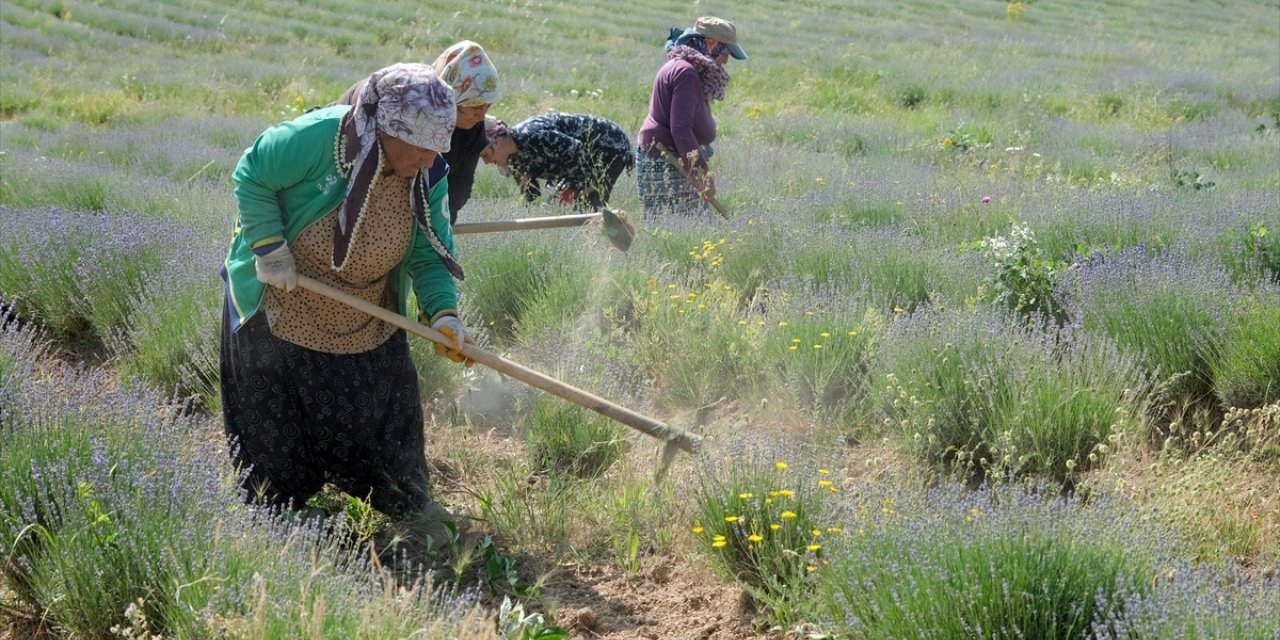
(679, 113)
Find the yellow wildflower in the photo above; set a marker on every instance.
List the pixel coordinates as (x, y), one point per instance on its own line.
(697, 528)
(731, 518)
(755, 537)
(746, 496)
(718, 543)
(787, 515)
(814, 547)
(774, 526)
(780, 465)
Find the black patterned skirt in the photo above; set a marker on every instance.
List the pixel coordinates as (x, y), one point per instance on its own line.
(663, 189)
(298, 418)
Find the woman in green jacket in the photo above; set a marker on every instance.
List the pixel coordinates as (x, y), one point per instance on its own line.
(314, 391)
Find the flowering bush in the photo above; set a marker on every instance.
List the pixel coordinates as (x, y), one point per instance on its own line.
(763, 521)
(1024, 278)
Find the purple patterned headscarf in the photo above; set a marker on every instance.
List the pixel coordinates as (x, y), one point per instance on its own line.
(410, 103)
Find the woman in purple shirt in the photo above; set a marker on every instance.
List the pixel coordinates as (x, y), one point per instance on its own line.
(680, 118)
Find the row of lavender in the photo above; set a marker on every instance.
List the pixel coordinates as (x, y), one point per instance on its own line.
(99, 482)
(118, 519)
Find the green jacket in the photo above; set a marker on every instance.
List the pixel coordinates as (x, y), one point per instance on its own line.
(289, 179)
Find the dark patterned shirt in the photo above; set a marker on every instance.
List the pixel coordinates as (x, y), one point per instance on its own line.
(566, 149)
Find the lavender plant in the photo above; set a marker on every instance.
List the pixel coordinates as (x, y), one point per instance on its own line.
(98, 482)
(1165, 308)
(1001, 562)
(1245, 368)
(978, 392)
(81, 273)
(565, 438)
(1199, 602)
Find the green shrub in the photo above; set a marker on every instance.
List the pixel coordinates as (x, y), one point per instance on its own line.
(1245, 368)
(566, 438)
(990, 396)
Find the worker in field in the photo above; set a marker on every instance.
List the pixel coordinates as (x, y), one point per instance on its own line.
(468, 69)
(314, 391)
(578, 156)
(679, 127)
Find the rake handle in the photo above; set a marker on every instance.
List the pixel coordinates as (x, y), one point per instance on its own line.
(671, 435)
(675, 162)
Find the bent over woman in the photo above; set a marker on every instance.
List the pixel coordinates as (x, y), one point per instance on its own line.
(314, 391)
(580, 155)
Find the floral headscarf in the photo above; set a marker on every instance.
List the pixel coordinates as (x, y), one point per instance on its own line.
(466, 67)
(407, 102)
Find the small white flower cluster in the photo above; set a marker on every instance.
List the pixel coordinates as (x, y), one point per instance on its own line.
(1001, 248)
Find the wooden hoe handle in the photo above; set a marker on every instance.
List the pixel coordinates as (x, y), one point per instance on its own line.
(675, 162)
(521, 224)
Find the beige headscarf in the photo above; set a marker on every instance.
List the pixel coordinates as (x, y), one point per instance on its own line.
(466, 67)
(408, 102)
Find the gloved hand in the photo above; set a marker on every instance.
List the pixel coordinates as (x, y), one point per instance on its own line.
(569, 196)
(452, 329)
(276, 268)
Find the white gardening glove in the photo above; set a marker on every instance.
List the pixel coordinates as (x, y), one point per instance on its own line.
(277, 268)
(452, 329)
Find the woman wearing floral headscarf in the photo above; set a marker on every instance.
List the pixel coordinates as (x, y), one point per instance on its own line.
(314, 391)
(680, 117)
(467, 68)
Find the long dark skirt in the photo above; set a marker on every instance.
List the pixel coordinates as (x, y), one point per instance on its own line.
(298, 418)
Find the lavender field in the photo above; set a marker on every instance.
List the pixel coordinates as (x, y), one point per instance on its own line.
(989, 346)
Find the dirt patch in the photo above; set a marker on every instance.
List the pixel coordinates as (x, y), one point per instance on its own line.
(666, 600)
(25, 629)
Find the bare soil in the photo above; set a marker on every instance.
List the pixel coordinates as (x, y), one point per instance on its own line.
(668, 599)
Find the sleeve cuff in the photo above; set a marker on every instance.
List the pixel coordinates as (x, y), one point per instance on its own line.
(267, 245)
(440, 314)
